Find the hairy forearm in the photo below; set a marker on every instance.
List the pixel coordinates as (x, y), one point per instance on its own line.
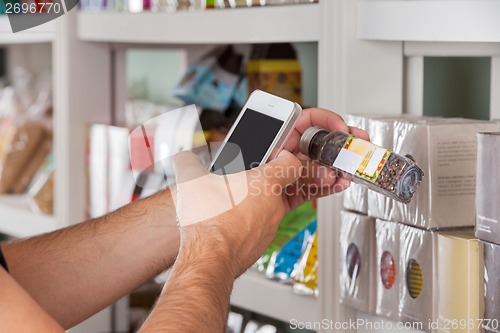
(196, 295)
(75, 272)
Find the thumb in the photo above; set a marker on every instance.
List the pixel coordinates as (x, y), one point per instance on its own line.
(187, 166)
(284, 169)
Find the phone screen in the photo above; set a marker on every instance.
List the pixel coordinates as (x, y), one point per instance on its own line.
(252, 136)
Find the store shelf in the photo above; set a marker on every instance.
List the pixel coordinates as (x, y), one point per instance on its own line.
(294, 23)
(19, 221)
(40, 34)
(430, 20)
(254, 292)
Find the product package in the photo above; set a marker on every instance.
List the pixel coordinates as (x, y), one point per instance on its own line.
(446, 151)
(292, 223)
(110, 180)
(27, 139)
(491, 323)
(459, 284)
(387, 270)
(356, 196)
(41, 188)
(377, 168)
(416, 267)
(488, 187)
(305, 273)
(357, 256)
(212, 82)
(274, 68)
(283, 261)
(36, 161)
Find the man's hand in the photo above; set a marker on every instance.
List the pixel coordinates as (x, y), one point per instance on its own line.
(316, 181)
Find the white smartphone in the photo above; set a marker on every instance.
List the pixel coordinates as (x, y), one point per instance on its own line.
(259, 133)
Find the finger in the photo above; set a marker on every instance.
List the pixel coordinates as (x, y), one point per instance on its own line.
(317, 174)
(285, 169)
(187, 166)
(358, 132)
(314, 117)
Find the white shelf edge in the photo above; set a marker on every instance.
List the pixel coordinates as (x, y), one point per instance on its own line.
(297, 23)
(252, 291)
(429, 20)
(40, 34)
(19, 221)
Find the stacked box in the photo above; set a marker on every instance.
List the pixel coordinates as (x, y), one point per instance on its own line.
(446, 151)
(357, 261)
(416, 264)
(491, 323)
(459, 282)
(488, 187)
(387, 269)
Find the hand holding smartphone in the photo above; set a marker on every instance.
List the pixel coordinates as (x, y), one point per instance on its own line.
(258, 134)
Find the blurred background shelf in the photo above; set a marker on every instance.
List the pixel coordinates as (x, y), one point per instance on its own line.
(252, 291)
(430, 20)
(41, 34)
(18, 220)
(299, 23)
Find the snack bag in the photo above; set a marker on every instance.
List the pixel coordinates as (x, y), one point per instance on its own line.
(305, 273)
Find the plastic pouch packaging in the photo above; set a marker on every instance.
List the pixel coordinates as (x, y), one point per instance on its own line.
(274, 68)
(291, 224)
(41, 188)
(357, 261)
(283, 261)
(305, 274)
(387, 269)
(416, 264)
(491, 322)
(211, 82)
(488, 187)
(460, 270)
(17, 154)
(446, 150)
(377, 168)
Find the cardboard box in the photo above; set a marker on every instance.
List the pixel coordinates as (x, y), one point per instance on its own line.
(357, 250)
(387, 269)
(459, 284)
(416, 264)
(445, 149)
(491, 324)
(488, 187)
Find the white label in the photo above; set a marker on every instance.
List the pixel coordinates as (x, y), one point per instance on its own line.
(372, 166)
(348, 161)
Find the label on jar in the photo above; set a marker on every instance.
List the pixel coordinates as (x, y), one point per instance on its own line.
(361, 158)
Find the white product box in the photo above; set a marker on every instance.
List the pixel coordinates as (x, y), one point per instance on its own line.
(357, 251)
(488, 187)
(417, 274)
(387, 269)
(445, 149)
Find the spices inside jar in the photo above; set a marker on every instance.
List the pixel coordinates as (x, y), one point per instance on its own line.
(380, 169)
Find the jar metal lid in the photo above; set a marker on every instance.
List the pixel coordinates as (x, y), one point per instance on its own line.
(305, 139)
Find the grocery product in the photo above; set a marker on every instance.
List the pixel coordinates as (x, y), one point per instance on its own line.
(283, 261)
(305, 273)
(357, 275)
(379, 169)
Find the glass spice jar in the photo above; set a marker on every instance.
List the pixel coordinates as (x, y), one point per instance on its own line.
(379, 169)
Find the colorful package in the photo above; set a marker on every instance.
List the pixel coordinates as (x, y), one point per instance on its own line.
(283, 261)
(292, 223)
(305, 273)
